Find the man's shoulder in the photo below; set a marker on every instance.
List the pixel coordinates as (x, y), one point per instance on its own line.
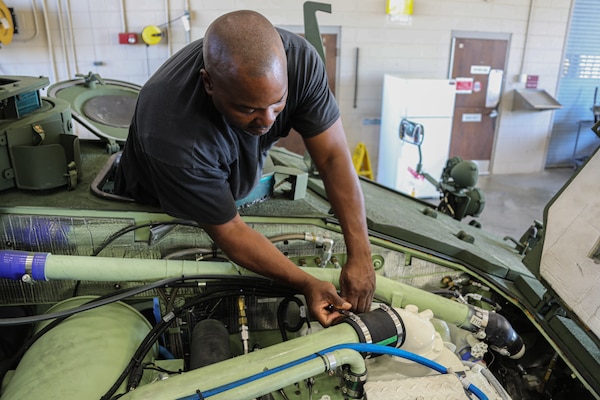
(181, 66)
(291, 39)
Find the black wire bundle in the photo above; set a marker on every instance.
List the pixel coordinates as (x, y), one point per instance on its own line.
(225, 287)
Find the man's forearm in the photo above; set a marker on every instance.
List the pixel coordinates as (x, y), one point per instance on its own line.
(346, 198)
(252, 250)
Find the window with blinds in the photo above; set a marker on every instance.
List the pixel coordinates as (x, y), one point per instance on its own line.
(571, 140)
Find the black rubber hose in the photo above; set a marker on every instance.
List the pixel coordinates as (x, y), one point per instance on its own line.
(379, 325)
(501, 336)
(210, 343)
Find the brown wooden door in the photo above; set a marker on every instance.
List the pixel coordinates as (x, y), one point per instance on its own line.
(478, 68)
(293, 141)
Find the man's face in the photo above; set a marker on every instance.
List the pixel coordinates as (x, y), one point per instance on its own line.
(248, 103)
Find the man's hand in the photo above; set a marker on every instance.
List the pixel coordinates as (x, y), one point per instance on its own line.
(324, 302)
(357, 284)
(248, 248)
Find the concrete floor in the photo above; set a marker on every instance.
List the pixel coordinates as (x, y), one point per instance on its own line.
(513, 202)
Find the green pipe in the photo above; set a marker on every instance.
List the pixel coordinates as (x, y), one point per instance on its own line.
(107, 269)
(295, 374)
(133, 269)
(234, 369)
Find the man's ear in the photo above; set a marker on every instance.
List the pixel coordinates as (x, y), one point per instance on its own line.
(206, 81)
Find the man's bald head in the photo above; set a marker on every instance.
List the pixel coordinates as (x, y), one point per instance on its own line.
(245, 70)
(243, 42)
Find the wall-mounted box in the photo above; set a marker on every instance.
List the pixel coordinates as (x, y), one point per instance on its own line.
(534, 100)
(128, 38)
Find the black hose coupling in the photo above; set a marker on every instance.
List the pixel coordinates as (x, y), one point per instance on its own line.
(502, 337)
(353, 384)
(380, 326)
(498, 333)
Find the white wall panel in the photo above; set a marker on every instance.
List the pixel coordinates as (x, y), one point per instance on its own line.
(419, 48)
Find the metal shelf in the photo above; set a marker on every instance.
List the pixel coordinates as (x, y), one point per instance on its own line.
(534, 99)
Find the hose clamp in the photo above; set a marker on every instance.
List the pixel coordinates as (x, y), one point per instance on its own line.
(360, 324)
(397, 321)
(479, 317)
(353, 386)
(330, 361)
(29, 263)
(355, 378)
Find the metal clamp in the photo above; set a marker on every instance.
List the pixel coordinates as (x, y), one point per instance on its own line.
(329, 360)
(395, 318)
(361, 325)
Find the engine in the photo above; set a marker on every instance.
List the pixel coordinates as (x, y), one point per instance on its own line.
(99, 308)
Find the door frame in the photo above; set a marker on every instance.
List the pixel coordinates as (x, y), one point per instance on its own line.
(323, 30)
(456, 34)
(293, 141)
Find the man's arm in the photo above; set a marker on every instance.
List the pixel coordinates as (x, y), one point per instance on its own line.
(329, 151)
(250, 249)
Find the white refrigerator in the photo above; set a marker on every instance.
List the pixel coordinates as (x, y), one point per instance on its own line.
(429, 102)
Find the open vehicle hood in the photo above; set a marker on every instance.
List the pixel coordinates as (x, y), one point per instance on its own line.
(571, 248)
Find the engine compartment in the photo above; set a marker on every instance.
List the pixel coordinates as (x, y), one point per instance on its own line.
(107, 307)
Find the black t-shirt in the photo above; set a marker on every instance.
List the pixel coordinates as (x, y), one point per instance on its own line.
(182, 156)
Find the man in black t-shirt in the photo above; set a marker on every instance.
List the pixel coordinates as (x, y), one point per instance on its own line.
(202, 128)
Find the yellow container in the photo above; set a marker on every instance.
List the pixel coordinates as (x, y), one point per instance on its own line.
(399, 7)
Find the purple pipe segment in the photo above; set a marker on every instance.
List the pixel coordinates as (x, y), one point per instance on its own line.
(14, 264)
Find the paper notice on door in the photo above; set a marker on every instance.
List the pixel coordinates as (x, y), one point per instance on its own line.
(464, 85)
(474, 117)
(480, 69)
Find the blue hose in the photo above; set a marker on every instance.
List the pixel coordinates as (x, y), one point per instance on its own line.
(378, 349)
(240, 382)
(477, 392)
(392, 351)
(360, 347)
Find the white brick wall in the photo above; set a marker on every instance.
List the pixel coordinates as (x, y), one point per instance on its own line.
(421, 48)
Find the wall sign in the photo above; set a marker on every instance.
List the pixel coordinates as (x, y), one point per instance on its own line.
(480, 69)
(466, 117)
(532, 82)
(464, 85)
